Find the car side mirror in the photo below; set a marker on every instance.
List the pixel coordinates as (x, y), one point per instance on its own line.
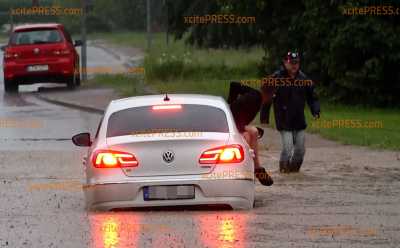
(82, 139)
(78, 43)
(3, 48)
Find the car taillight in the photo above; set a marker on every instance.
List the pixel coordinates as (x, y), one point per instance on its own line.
(223, 155)
(113, 159)
(11, 55)
(62, 52)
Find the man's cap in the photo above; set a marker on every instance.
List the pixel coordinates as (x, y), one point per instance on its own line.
(292, 56)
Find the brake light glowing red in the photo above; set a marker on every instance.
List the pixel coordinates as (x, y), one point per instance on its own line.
(166, 107)
(223, 154)
(113, 159)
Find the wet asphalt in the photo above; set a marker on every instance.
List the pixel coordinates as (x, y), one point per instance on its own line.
(344, 197)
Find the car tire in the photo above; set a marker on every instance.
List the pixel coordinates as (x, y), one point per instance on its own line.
(71, 82)
(78, 79)
(10, 86)
(77, 75)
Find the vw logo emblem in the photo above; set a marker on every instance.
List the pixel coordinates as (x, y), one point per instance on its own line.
(168, 156)
(36, 50)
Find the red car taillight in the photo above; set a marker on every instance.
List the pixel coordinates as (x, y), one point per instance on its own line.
(223, 155)
(113, 159)
(10, 55)
(62, 52)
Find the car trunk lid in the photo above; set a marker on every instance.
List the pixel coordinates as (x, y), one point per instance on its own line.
(37, 51)
(37, 44)
(166, 154)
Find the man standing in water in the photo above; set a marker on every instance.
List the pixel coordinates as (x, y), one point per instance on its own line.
(288, 101)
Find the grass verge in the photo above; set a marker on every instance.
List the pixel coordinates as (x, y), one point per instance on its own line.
(371, 127)
(123, 84)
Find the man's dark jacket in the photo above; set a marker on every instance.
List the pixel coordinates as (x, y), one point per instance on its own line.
(245, 103)
(289, 103)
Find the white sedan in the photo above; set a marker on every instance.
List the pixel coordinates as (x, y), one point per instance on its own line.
(173, 150)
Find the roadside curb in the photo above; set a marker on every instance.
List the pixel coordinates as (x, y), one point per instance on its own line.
(106, 49)
(132, 61)
(71, 105)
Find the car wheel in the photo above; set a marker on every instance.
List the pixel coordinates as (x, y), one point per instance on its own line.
(77, 75)
(78, 79)
(10, 86)
(71, 83)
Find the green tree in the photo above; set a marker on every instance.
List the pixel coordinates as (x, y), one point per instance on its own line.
(352, 58)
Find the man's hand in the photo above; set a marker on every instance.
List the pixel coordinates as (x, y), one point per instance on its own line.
(316, 116)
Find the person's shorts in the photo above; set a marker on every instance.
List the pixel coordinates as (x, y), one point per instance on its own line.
(241, 128)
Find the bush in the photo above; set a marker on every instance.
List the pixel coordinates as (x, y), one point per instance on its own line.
(353, 59)
(170, 66)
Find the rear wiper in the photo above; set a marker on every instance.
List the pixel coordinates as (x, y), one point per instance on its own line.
(39, 42)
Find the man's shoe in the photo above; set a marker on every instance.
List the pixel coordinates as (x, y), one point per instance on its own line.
(295, 165)
(263, 176)
(284, 167)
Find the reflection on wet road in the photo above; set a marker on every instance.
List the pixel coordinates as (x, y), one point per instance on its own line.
(200, 229)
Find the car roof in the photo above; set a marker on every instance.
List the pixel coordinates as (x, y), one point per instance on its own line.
(37, 26)
(138, 101)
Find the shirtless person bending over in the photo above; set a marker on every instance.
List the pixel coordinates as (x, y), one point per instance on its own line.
(245, 102)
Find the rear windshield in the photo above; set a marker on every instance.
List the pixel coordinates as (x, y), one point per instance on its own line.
(42, 36)
(190, 117)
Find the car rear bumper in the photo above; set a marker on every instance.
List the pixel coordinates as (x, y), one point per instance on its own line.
(237, 193)
(41, 79)
(60, 70)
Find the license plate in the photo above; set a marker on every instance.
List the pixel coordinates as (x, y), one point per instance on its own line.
(32, 68)
(168, 192)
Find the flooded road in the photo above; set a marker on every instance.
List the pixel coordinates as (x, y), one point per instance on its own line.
(345, 196)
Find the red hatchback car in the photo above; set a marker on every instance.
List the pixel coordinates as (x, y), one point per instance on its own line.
(40, 53)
